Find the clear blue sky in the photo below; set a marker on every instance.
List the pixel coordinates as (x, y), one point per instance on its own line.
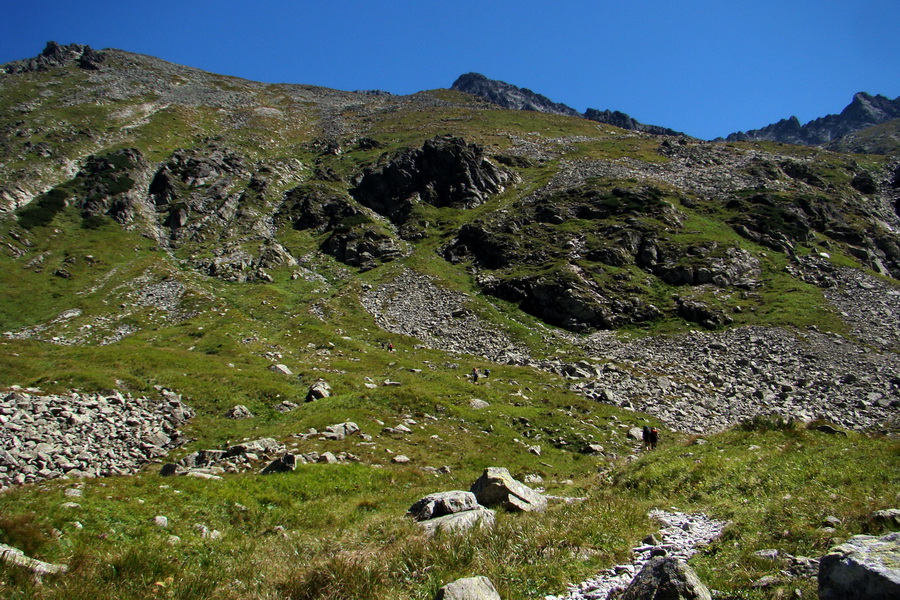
(707, 67)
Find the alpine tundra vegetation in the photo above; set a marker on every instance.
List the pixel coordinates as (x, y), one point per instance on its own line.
(241, 321)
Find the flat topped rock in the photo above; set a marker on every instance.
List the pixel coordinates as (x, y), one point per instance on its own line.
(459, 522)
(443, 503)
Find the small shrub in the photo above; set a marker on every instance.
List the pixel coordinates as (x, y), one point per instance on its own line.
(770, 422)
(22, 532)
(41, 212)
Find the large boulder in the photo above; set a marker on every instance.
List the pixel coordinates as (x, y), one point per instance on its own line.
(318, 390)
(443, 503)
(469, 588)
(863, 568)
(888, 518)
(283, 464)
(666, 578)
(260, 446)
(496, 487)
(340, 431)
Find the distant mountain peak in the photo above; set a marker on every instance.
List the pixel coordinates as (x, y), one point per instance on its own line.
(507, 95)
(510, 96)
(864, 111)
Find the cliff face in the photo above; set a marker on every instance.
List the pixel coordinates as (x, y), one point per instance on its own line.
(863, 112)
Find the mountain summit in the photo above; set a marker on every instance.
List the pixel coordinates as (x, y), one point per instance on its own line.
(510, 96)
(507, 95)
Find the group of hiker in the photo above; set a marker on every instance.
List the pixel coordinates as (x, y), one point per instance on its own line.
(476, 373)
(651, 437)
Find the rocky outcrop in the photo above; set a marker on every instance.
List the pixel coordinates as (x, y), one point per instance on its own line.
(194, 191)
(85, 435)
(317, 206)
(863, 111)
(572, 300)
(57, 55)
(363, 245)
(114, 185)
(446, 171)
(863, 568)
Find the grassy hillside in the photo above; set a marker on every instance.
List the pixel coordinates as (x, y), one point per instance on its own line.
(199, 258)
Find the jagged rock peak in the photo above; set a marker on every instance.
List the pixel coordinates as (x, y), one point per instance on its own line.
(509, 96)
(864, 111)
(57, 55)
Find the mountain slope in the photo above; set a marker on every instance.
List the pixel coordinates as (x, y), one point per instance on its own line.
(319, 258)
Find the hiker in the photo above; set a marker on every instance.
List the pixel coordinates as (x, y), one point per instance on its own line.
(390, 346)
(654, 438)
(645, 434)
(475, 375)
(487, 373)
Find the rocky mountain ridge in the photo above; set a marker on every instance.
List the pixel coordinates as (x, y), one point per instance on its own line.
(510, 96)
(863, 112)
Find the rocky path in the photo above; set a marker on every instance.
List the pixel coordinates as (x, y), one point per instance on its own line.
(681, 536)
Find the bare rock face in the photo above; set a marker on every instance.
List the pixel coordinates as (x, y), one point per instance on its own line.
(496, 487)
(112, 185)
(469, 588)
(665, 578)
(863, 568)
(446, 171)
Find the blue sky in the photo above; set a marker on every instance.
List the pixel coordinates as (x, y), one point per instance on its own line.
(707, 67)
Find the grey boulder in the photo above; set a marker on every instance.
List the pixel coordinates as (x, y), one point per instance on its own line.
(459, 522)
(443, 503)
(666, 578)
(469, 588)
(496, 487)
(865, 567)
